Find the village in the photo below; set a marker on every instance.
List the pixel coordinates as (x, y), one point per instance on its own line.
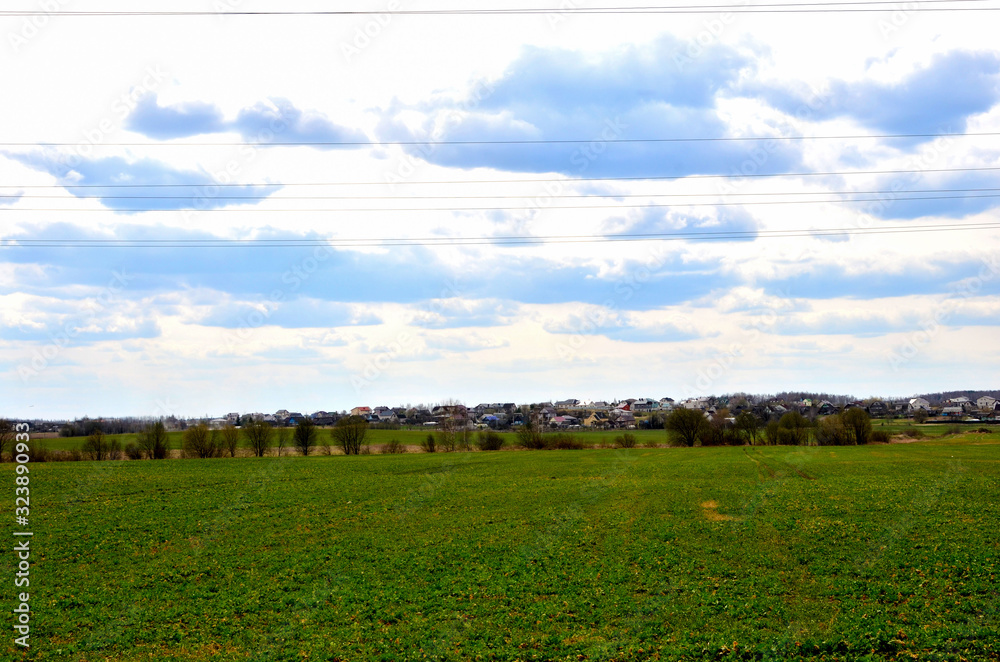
(629, 413)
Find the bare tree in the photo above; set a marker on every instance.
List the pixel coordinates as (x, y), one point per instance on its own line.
(154, 442)
(199, 442)
(258, 434)
(283, 435)
(349, 433)
(99, 447)
(305, 435)
(230, 438)
(7, 436)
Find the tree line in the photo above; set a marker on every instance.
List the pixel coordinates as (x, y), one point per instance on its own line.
(691, 427)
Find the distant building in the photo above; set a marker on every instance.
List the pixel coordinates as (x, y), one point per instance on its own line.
(986, 402)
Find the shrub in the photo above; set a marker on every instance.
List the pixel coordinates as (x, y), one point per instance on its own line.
(98, 447)
(39, 453)
(913, 432)
(796, 428)
(954, 428)
(199, 442)
(626, 440)
(858, 424)
(529, 435)
(880, 437)
(650, 443)
(153, 441)
(133, 451)
(394, 447)
(489, 440)
(365, 450)
(830, 431)
(429, 444)
(562, 441)
(7, 437)
(771, 433)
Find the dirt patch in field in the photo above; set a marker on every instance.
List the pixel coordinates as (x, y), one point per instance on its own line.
(710, 509)
(903, 440)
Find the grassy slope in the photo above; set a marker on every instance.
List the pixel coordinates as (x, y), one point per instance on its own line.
(672, 553)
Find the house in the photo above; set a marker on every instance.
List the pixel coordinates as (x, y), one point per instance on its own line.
(953, 412)
(324, 421)
(281, 413)
(597, 419)
(622, 418)
(959, 401)
(918, 403)
(233, 418)
(386, 416)
(645, 404)
(567, 404)
(293, 418)
(564, 421)
(877, 409)
(986, 403)
(364, 412)
(826, 408)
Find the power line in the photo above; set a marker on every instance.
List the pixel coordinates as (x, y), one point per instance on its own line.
(498, 240)
(490, 197)
(514, 181)
(526, 141)
(531, 208)
(791, 7)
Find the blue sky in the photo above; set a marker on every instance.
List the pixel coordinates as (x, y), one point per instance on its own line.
(102, 330)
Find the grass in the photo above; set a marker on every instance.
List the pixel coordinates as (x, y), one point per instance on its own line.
(847, 553)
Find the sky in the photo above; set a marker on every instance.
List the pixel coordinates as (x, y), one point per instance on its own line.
(440, 127)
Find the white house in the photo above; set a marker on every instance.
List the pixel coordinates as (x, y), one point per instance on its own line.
(919, 403)
(986, 402)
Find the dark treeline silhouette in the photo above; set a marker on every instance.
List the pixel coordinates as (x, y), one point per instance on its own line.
(83, 427)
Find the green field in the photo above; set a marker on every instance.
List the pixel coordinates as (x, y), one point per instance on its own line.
(883, 552)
